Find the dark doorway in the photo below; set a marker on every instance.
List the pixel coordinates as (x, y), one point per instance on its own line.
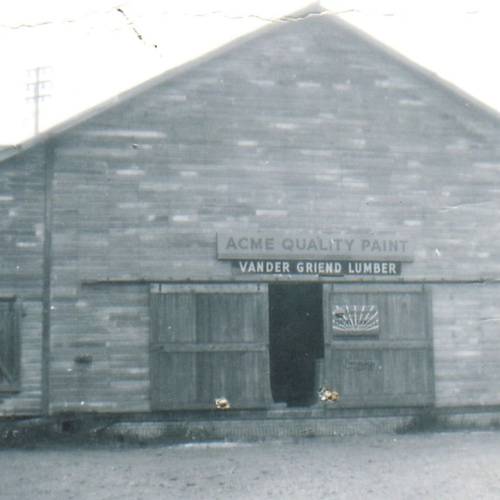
(295, 341)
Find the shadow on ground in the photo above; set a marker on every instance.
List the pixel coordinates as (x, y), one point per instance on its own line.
(92, 432)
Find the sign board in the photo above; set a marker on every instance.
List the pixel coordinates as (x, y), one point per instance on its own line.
(355, 320)
(321, 268)
(267, 246)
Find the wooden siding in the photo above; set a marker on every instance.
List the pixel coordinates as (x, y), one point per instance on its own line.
(209, 342)
(467, 344)
(10, 346)
(100, 350)
(390, 365)
(306, 128)
(22, 181)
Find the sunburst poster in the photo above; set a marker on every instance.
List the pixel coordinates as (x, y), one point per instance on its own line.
(355, 320)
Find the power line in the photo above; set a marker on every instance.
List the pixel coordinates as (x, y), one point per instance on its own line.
(37, 86)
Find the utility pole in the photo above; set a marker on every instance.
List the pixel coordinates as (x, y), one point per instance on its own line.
(37, 87)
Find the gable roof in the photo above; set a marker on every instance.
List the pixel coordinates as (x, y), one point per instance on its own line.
(310, 12)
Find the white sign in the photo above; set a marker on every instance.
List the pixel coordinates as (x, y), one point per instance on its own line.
(295, 246)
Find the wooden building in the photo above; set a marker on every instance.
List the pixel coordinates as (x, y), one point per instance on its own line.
(301, 208)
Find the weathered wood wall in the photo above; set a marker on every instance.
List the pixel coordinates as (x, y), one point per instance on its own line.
(209, 342)
(308, 127)
(100, 350)
(22, 182)
(467, 344)
(392, 365)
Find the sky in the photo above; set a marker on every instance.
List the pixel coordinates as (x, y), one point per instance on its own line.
(89, 51)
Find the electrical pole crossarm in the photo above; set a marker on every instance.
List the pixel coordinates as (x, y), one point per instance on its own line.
(36, 86)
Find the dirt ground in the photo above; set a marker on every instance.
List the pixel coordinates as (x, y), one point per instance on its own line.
(458, 466)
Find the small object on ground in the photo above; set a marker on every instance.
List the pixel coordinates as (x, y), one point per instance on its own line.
(222, 404)
(326, 394)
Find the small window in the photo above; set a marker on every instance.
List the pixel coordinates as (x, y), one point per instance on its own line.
(9, 346)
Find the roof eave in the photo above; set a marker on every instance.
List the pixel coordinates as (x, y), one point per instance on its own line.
(13, 150)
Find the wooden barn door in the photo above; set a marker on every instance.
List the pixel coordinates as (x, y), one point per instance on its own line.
(208, 342)
(378, 345)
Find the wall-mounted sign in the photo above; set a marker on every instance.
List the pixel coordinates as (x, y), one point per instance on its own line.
(312, 247)
(355, 320)
(321, 268)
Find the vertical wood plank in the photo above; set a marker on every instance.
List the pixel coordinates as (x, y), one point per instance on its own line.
(400, 371)
(194, 361)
